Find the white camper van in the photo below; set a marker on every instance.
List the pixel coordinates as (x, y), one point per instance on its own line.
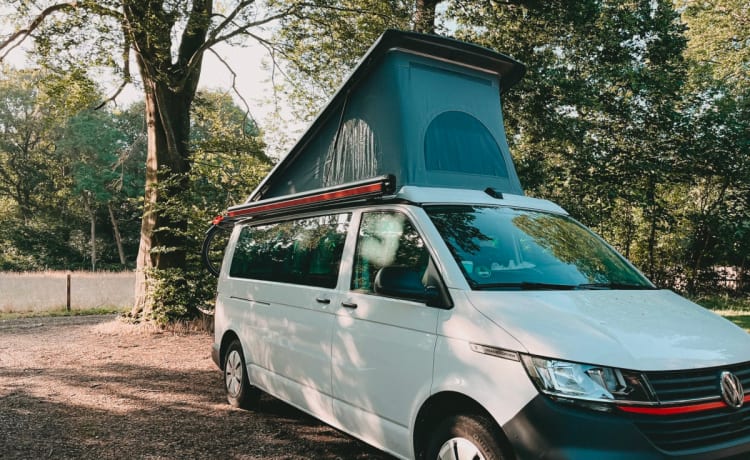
(437, 313)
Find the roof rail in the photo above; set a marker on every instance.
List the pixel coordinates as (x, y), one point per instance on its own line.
(351, 192)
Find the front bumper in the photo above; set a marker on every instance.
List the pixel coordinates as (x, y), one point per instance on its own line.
(551, 430)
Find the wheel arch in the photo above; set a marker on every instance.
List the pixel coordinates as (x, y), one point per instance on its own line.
(444, 404)
(228, 337)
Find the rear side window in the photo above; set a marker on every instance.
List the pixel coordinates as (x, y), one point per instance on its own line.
(302, 251)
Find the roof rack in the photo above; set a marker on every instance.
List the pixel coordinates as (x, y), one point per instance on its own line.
(345, 193)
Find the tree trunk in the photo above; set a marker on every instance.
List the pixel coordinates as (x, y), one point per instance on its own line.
(424, 16)
(169, 83)
(163, 244)
(653, 215)
(116, 231)
(87, 203)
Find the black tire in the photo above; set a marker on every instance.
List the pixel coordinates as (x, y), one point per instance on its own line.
(240, 393)
(466, 437)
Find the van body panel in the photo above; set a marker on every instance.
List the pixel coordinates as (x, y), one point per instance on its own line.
(382, 344)
(381, 353)
(501, 386)
(465, 322)
(284, 324)
(640, 329)
(366, 363)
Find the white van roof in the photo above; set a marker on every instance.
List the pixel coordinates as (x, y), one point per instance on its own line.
(438, 195)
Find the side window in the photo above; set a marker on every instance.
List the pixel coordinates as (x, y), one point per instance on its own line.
(389, 240)
(302, 251)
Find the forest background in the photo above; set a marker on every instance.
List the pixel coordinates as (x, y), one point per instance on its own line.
(633, 115)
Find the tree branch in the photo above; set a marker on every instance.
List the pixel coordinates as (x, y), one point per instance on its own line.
(126, 77)
(234, 88)
(21, 35)
(214, 37)
(195, 30)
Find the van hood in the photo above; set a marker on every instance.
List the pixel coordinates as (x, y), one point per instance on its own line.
(638, 330)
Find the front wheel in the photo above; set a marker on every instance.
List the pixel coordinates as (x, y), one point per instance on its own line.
(464, 437)
(239, 391)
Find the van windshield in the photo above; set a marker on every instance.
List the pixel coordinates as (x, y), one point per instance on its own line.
(505, 248)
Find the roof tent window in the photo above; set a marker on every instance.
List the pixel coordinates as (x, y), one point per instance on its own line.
(353, 156)
(457, 142)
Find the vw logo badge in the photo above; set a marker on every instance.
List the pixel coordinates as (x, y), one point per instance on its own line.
(731, 390)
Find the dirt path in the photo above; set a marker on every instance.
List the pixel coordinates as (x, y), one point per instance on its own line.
(92, 387)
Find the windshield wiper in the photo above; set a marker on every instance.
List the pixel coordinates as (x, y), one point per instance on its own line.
(526, 286)
(623, 286)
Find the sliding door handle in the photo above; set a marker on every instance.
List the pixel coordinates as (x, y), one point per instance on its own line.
(351, 305)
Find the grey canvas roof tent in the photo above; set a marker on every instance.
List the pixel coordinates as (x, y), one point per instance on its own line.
(423, 108)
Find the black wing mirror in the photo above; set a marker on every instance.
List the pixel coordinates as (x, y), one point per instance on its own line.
(408, 283)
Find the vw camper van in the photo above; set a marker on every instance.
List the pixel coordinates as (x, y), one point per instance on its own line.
(390, 278)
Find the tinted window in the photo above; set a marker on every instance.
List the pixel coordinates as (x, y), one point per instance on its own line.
(387, 239)
(458, 142)
(303, 251)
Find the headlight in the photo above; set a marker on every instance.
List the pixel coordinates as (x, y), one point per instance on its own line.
(585, 383)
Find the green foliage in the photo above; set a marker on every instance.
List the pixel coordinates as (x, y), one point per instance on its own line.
(60, 165)
(81, 162)
(634, 122)
(320, 46)
(228, 163)
(719, 36)
(39, 217)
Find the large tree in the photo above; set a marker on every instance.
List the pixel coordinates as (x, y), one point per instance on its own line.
(36, 227)
(168, 40)
(717, 214)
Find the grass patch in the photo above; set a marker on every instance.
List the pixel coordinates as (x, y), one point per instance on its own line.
(723, 302)
(735, 309)
(64, 312)
(742, 320)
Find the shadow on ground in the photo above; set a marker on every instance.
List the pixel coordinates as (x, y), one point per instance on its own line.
(114, 408)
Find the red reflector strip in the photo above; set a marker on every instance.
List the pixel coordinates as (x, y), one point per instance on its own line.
(676, 410)
(358, 191)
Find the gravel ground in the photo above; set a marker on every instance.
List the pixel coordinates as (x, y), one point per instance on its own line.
(94, 387)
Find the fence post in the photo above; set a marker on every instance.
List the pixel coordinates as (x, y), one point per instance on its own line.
(67, 303)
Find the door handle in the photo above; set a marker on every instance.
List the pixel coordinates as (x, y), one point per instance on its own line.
(323, 300)
(351, 305)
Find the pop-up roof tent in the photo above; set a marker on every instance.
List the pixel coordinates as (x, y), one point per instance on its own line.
(423, 108)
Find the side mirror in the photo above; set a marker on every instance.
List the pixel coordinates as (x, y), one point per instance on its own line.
(408, 283)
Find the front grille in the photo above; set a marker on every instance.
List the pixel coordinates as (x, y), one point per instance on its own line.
(695, 430)
(674, 386)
